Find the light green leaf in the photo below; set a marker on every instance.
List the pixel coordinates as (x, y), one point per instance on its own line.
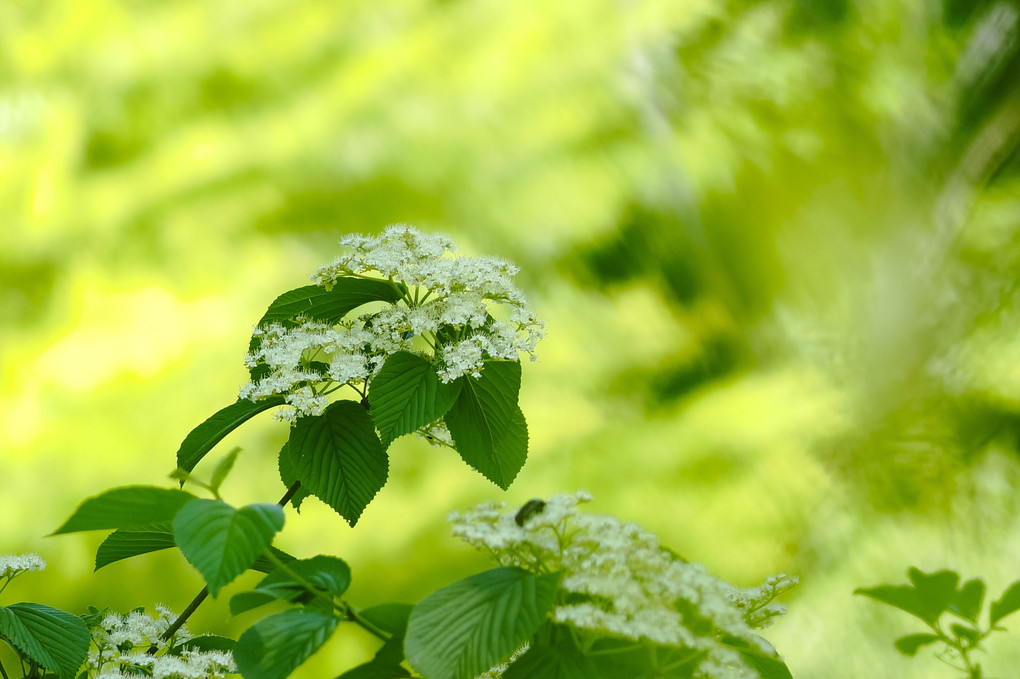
(407, 394)
(276, 646)
(124, 544)
(967, 602)
(222, 470)
(53, 638)
(488, 426)
(935, 591)
(465, 628)
(338, 458)
(1007, 604)
(222, 542)
(206, 435)
(131, 507)
(911, 644)
(899, 596)
(768, 665)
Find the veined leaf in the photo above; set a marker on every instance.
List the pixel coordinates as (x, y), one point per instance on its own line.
(562, 660)
(275, 646)
(407, 394)
(222, 542)
(328, 573)
(488, 426)
(338, 458)
(131, 507)
(206, 435)
(124, 544)
(465, 628)
(53, 638)
(329, 306)
(768, 665)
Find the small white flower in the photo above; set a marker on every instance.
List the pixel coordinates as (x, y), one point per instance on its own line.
(15, 564)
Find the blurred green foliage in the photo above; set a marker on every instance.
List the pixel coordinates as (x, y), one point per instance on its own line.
(776, 244)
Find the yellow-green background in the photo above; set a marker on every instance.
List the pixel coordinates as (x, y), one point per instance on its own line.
(775, 243)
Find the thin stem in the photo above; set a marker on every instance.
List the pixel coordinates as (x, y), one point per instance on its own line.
(356, 618)
(200, 597)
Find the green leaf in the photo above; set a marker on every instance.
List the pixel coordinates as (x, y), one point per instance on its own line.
(562, 660)
(935, 591)
(966, 633)
(223, 470)
(391, 618)
(276, 646)
(328, 573)
(488, 426)
(288, 474)
(899, 596)
(329, 306)
(129, 507)
(222, 542)
(911, 644)
(465, 628)
(53, 638)
(768, 665)
(620, 657)
(1007, 604)
(338, 458)
(377, 669)
(264, 565)
(208, 642)
(124, 544)
(206, 435)
(407, 394)
(967, 602)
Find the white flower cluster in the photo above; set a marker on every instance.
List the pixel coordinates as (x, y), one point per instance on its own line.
(446, 313)
(122, 644)
(12, 565)
(623, 581)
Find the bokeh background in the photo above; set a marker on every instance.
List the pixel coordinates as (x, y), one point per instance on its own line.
(776, 244)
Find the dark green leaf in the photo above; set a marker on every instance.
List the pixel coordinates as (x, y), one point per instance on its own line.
(206, 435)
(222, 542)
(465, 628)
(223, 470)
(407, 394)
(620, 657)
(330, 574)
(899, 596)
(488, 426)
(338, 458)
(1007, 604)
(911, 644)
(53, 638)
(209, 642)
(562, 660)
(264, 565)
(768, 665)
(376, 669)
(289, 475)
(132, 507)
(967, 602)
(124, 544)
(391, 618)
(329, 306)
(276, 646)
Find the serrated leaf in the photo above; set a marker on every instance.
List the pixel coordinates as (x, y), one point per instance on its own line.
(288, 474)
(899, 596)
(487, 425)
(131, 507)
(338, 458)
(222, 470)
(124, 544)
(207, 642)
(53, 638)
(768, 665)
(328, 573)
(465, 628)
(911, 644)
(206, 435)
(967, 602)
(222, 542)
(329, 306)
(1007, 604)
(406, 394)
(621, 657)
(275, 646)
(562, 660)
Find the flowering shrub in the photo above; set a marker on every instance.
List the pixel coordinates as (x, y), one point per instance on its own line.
(398, 336)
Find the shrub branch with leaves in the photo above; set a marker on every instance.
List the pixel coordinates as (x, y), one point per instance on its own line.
(399, 336)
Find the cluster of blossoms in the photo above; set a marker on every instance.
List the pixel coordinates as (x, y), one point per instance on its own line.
(622, 582)
(447, 311)
(124, 643)
(13, 565)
